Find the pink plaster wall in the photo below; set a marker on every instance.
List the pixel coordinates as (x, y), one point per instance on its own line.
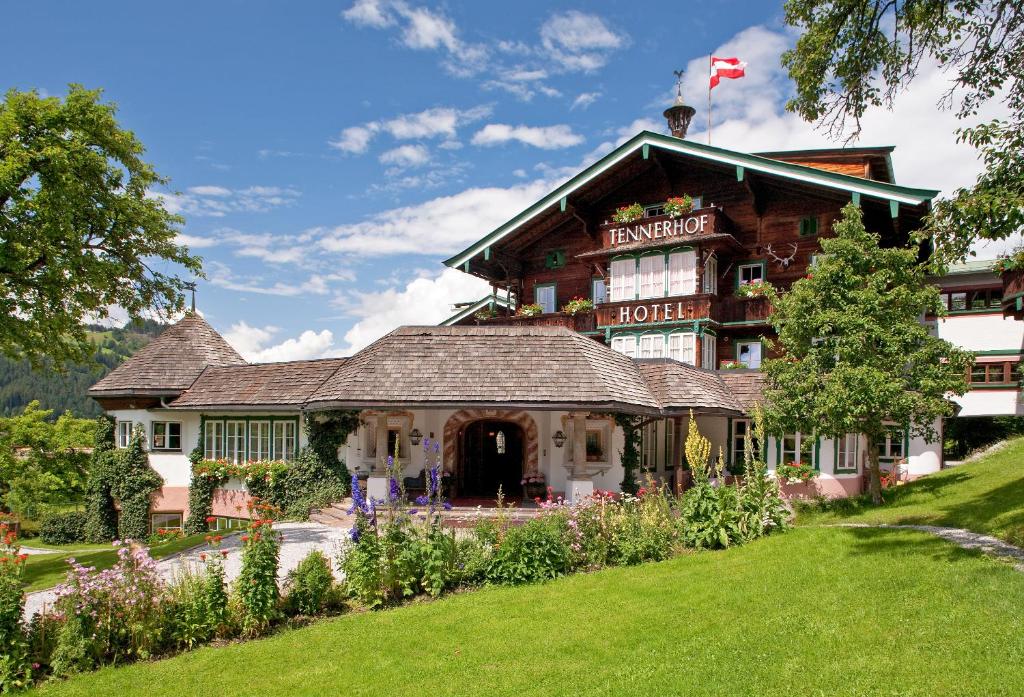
(170, 499)
(231, 503)
(228, 503)
(821, 486)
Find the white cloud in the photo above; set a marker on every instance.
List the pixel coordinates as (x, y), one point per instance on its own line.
(252, 343)
(406, 156)
(427, 300)
(218, 201)
(585, 99)
(429, 123)
(577, 41)
(209, 191)
(354, 139)
(195, 241)
(369, 13)
(545, 137)
(222, 275)
(442, 225)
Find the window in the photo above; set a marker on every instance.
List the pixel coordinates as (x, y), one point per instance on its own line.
(652, 276)
(711, 276)
(165, 521)
(554, 259)
(815, 259)
(890, 447)
(682, 273)
(213, 445)
(1001, 373)
(598, 291)
(223, 523)
(284, 440)
(623, 277)
(652, 346)
(595, 445)
(974, 299)
(670, 442)
(708, 351)
(740, 429)
(846, 453)
(749, 353)
(234, 442)
(749, 273)
(649, 446)
(166, 435)
(625, 344)
(545, 297)
(259, 440)
(680, 347)
(394, 442)
(808, 226)
(652, 211)
(124, 433)
(798, 447)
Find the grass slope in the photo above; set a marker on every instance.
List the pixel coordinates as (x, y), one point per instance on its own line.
(47, 570)
(817, 611)
(985, 496)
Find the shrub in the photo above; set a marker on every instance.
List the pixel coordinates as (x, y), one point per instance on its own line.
(136, 481)
(256, 586)
(15, 666)
(64, 528)
(309, 585)
(186, 611)
(643, 529)
(711, 516)
(99, 501)
(309, 483)
(535, 551)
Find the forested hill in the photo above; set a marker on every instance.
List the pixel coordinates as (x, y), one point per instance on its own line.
(19, 384)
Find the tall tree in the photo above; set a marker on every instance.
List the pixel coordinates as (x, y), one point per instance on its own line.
(855, 54)
(79, 229)
(856, 357)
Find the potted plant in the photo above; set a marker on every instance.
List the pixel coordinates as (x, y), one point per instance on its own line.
(796, 472)
(753, 289)
(627, 214)
(578, 305)
(678, 205)
(486, 314)
(732, 365)
(529, 310)
(534, 485)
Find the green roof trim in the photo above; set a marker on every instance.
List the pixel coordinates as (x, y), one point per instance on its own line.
(750, 163)
(474, 308)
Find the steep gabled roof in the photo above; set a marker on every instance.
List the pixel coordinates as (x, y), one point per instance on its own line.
(679, 386)
(287, 384)
(169, 363)
(473, 308)
(500, 367)
(743, 162)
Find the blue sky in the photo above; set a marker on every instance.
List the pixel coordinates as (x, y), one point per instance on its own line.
(327, 156)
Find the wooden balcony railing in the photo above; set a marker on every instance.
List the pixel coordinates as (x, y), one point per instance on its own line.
(582, 322)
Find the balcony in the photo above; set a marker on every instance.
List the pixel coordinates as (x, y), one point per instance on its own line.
(582, 322)
(734, 310)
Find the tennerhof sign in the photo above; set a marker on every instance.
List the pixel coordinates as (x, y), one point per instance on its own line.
(665, 228)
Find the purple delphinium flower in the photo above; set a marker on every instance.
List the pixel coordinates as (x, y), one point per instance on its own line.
(434, 486)
(391, 460)
(354, 533)
(447, 506)
(394, 492)
(437, 446)
(358, 500)
(426, 445)
(413, 511)
(422, 500)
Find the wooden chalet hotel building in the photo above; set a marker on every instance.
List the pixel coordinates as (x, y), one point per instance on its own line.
(509, 396)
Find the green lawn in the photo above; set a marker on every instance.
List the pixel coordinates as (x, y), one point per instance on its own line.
(47, 570)
(817, 611)
(986, 496)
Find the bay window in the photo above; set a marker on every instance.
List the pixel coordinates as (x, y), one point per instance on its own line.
(623, 278)
(682, 273)
(681, 347)
(652, 346)
(625, 344)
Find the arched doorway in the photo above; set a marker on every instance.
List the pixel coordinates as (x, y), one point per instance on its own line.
(491, 456)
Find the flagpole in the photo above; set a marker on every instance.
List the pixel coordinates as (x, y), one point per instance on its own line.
(710, 65)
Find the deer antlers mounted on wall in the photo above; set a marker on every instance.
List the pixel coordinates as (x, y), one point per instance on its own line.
(783, 262)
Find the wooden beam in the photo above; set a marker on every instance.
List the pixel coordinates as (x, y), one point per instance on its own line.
(894, 209)
(563, 203)
(739, 173)
(646, 151)
(487, 253)
(856, 198)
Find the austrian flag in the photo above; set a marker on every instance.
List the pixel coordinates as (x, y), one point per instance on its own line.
(725, 67)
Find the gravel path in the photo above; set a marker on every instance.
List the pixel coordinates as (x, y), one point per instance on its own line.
(299, 539)
(960, 537)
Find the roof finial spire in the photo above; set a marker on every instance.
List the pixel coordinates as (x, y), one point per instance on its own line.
(679, 114)
(191, 285)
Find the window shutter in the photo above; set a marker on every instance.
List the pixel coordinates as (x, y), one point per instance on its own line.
(682, 271)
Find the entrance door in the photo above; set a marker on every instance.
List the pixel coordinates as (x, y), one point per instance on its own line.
(492, 456)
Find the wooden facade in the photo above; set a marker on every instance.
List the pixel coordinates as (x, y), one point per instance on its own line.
(745, 218)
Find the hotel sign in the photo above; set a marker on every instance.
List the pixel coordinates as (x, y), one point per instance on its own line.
(650, 311)
(661, 228)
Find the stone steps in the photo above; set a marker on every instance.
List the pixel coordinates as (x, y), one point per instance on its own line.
(336, 515)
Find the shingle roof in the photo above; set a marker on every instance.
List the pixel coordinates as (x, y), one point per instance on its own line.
(745, 386)
(679, 386)
(171, 362)
(547, 367)
(264, 384)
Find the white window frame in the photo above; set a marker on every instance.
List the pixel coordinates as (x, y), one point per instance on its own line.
(744, 267)
(682, 272)
(749, 363)
(847, 454)
(124, 433)
(711, 276)
(625, 345)
(887, 453)
(739, 444)
(602, 297)
(652, 276)
(154, 526)
(799, 440)
(682, 347)
(213, 440)
(259, 441)
(548, 305)
(156, 437)
(235, 441)
(651, 346)
(623, 277)
(649, 447)
(284, 436)
(708, 351)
